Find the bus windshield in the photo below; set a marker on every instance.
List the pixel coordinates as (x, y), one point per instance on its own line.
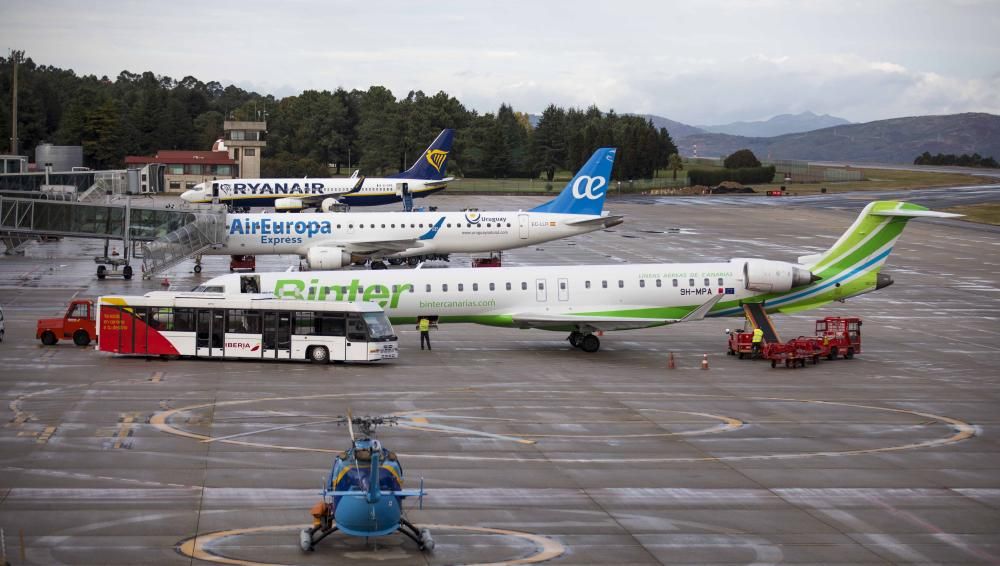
(379, 328)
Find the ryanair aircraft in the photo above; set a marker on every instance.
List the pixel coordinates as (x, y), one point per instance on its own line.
(585, 299)
(333, 240)
(425, 177)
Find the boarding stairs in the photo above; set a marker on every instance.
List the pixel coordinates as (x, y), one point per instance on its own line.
(205, 231)
(407, 202)
(758, 318)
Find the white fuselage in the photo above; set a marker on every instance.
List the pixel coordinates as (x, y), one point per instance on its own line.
(499, 296)
(458, 232)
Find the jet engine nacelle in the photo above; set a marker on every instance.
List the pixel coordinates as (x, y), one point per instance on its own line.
(773, 276)
(287, 205)
(332, 205)
(327, 258)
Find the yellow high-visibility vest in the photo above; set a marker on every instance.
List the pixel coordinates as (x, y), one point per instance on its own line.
(425, 325)
(758, 335)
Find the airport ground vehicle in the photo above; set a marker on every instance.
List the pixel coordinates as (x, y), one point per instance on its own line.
(835, 336)
(494, 260)
(251, 327)
(243, 263)
(78, 323)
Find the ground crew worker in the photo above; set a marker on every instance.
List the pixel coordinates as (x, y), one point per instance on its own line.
(758, 336)
(424, 326)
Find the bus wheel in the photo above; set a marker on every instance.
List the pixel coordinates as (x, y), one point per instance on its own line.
(833, 354)
(319, 354)
(127, 272)
(81, 338)
(590, 343)
(49, 338)
(850, 354)
(102, 272)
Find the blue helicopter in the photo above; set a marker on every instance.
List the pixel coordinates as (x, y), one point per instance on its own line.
(363, 495)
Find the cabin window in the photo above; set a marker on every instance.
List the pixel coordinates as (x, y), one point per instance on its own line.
(659, 283)
(604, 284)
(395, 289)
(508, 285)
(541, 286)
(621, 284)
(720, 281)
(461, 287)
(524, 286)
(350, 225)
(428, 287)
(675, 282)
(475, 286)
(468, 226)
(492, 287)
(421, 225)
(413, 225)
(586, 284)
(642, 283)
(690, 282)
(383, 225)
(338, 226)
(508, 224)
(372, 225)
(707, 282)
(562, 285)
(444, 287)
(449, 224)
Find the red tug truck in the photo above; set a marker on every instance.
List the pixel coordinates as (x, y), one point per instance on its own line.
(835, 336)
(78, 323)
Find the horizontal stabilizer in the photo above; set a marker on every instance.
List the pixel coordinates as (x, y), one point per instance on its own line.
(606, 221)
(916, 213)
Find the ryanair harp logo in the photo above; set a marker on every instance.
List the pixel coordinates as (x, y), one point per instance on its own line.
(436, 158)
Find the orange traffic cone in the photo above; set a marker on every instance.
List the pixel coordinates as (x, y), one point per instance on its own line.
(704, 362)
(670, 361)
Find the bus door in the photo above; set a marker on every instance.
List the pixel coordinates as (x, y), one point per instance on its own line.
(209, 331)
(140, 329)
(357, 339)
(522, 226)
(540, 294)
(277, 338)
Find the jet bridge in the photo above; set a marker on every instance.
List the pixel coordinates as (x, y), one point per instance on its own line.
(170, 235)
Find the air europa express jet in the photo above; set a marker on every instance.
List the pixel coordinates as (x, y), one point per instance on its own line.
(333, 240)
(585, 299)
(425, 177)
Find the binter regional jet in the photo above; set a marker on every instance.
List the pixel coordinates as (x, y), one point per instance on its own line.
(585, 299)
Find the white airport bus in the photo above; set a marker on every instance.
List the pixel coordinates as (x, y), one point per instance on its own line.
(249, 327)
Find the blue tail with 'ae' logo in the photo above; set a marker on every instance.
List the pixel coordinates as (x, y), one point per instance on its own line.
(585, 192)
(432, 162)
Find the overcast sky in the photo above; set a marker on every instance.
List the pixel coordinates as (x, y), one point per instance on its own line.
(698, 62)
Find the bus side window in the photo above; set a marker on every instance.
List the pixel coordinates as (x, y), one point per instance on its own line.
(161, 318)
(356, 329)
(183, 319)
(329, 324)
(303, 324)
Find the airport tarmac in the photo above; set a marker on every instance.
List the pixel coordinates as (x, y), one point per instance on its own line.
(556, 455)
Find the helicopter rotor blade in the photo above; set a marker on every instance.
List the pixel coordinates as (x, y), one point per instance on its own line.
(350, 425)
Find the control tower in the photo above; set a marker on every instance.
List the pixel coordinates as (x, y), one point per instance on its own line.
(245, 142)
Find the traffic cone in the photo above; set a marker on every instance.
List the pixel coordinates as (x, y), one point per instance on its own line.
(670, 361)
(704, 362)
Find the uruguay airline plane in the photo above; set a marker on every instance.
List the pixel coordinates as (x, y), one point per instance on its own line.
(425, 177)
(333, 240)
(589, 298)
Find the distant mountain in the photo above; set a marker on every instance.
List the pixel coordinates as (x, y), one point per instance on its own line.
(898, 140)
(778, 125)
(677, 130)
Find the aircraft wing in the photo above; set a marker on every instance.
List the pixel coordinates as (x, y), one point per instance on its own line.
(389, 247)
(606, 221)
(591, 323)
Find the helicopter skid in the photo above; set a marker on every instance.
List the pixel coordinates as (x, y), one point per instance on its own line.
(308, 539)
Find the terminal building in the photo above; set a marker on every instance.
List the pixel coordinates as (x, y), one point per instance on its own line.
(236, 155)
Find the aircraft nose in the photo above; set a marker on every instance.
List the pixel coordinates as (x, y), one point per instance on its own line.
(189, 196)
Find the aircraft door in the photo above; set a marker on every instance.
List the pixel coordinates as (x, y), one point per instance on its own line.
(563, 288)
(522, 226)
(277, 335)
(540, 294)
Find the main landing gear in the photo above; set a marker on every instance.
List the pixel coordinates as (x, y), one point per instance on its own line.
(586, 342)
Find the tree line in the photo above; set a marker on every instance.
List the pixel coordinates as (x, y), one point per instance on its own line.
(140, 113)
(964, 160)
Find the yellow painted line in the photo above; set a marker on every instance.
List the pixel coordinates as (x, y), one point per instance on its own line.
(195, 547)
(420, 420)
(157, 377)
(46, 435)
